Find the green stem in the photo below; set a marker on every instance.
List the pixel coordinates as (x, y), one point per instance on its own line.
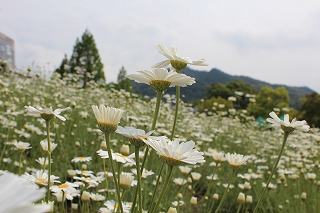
(136, 150)
(176, 111)
(166, 183)
(285, 137)
(49, 159)
(154, 122)
(20, 163)
(107, 136)
(105, 176)
(239, 207)
(226, 191)
(2, 152)
(156, 187)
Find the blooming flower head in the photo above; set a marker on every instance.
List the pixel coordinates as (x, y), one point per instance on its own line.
(112, 206)
(174, 153)
(286, 125)
(135, 135)
(18, 195)
(67, 189)
(120, 158)
(160, 79)
(126, 180)
(22, 146)
(81, 159)
(174, 59)
(108, 117)
(44, 146)
(41, 178)
(236, 160)
(46, 114)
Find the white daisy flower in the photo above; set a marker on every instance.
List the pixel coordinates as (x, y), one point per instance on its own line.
(236, 160)
(67, 189)
(44, 146)
(127, 180)
(108, 117)
(43, 161)
(286, 125)
(97, 197)
(135, 135)
(41, 178)
(175, 59)
(144, 174)
(174, 153)
(120, 158)
(81, 159)
(18, 195)
(47, 113)
(22, 146)
(160, 79)
(112, 206)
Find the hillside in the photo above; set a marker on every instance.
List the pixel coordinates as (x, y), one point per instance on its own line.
(204, 79)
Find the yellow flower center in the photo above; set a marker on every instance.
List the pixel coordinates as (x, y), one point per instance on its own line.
(160, 85)
(41, 181)
(120, 155)
(63, 186)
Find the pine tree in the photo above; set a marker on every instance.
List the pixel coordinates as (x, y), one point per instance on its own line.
(123, 82)
(85, 61)
(64, 67)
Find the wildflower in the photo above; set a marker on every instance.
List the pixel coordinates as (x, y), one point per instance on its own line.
(44, 145)
(22, 146)
(108, 117)
(97, 197)
(249, 199)
(160, 79)
(117, 157)
(172, 210)
(286, 125)
(135, 135)
(112, 206)
(81, 159)
(43, 161)
(194, 201)
(185, 169)
(18, 195)
(46, 114)
(67, 190)
(218, 157)
(41, 178)
(85, 197)
(236, 160)
(173, 153)
(126, 180)
(175, 60)
(241, 198)
(195, 176)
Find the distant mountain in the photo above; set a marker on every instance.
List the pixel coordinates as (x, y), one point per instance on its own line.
(204, 79)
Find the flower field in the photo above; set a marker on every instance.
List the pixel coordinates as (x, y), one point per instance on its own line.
(95, 162)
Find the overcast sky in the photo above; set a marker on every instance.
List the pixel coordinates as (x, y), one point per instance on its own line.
(277, 41)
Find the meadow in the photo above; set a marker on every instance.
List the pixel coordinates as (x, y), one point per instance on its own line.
(192, 188)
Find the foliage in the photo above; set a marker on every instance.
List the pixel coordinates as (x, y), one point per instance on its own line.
(123, 82)
(214, 104)
(310, 109)
(85, 60)
(204, 79)
(267, 100)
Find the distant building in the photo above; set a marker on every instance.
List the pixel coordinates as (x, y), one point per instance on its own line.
(7, 50)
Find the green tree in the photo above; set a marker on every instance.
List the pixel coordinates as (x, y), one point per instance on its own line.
(218, 90)
(268, 99)
(85, 61)
(123, 81)
(64, 67)
(310, 110)
(242, 91)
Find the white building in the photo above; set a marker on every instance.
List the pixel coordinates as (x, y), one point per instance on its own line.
(7, 50)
